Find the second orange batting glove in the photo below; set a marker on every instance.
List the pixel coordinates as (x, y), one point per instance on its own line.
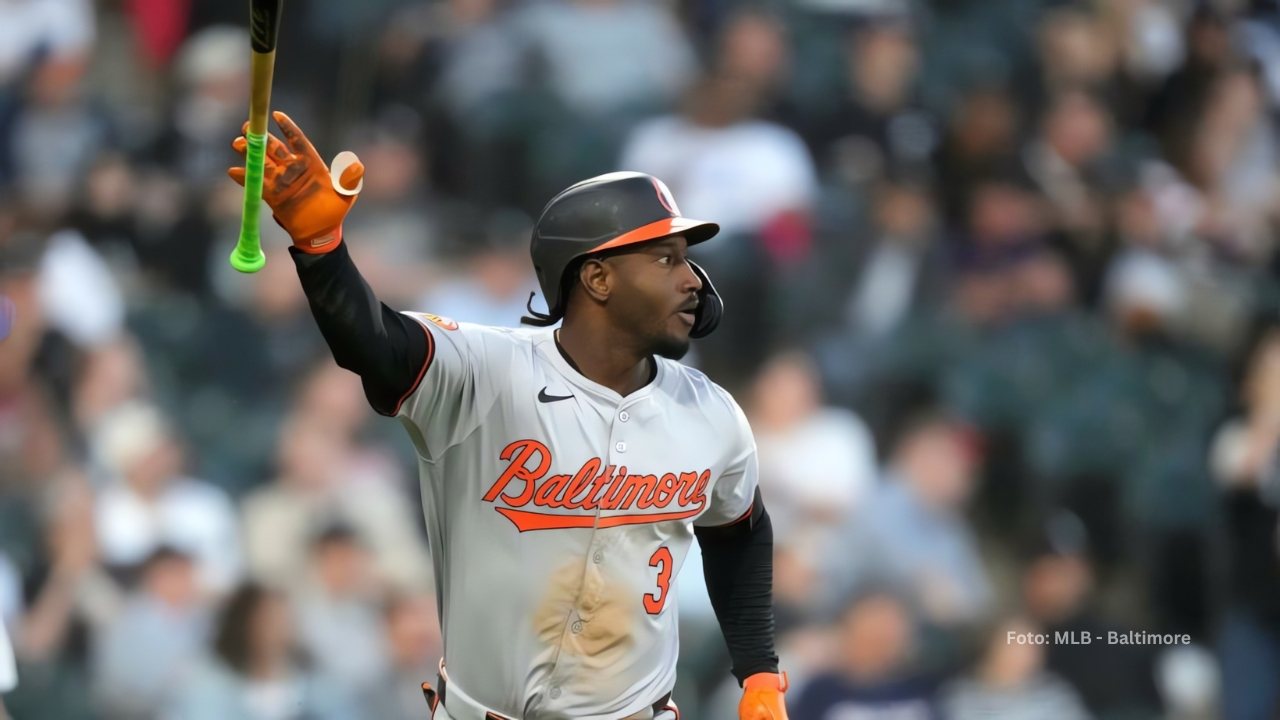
(308, 198)
(762, 697)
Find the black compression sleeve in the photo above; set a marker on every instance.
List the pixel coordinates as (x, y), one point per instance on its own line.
(386, 349)
(737, 561)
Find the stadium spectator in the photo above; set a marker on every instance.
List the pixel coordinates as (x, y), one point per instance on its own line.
(817, 463)
(142, 656)
(1059, 596)
(319, 484)
(1011, 682)
(147, 502)
(912, 532)
(875, 673)
(338, 615)
(66, 596)
(1243, 461)
(414, 645)
(724, 162)
(254, 671)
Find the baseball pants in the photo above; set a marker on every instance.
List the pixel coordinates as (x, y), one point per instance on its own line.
(664, 710)
(668, 714)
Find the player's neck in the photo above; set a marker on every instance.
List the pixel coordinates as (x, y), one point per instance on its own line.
(605, 360)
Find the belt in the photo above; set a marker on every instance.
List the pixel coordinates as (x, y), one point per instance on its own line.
(436, 696)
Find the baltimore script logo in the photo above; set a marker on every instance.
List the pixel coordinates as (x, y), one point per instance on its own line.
(595, 486)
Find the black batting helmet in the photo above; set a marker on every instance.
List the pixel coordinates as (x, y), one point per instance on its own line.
(606, 212)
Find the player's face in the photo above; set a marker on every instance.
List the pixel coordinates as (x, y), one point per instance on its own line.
(656, 294)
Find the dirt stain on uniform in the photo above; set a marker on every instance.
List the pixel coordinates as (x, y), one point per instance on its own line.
(609, 610)
(589, 615)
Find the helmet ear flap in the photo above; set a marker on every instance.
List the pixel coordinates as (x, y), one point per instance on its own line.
(710, 306)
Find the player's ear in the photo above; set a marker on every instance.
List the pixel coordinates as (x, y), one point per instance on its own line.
(596, 278)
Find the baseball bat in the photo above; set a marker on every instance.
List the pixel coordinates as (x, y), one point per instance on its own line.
(264, 27)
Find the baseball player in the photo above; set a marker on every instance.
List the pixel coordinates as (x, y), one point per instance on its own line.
(564, 472)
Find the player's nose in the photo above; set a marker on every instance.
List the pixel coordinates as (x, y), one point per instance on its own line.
(689, 280)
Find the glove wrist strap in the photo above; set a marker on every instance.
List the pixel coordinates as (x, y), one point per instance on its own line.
(321, 244)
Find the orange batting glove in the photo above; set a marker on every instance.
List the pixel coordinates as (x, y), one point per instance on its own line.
(307, 198)
(762, 697)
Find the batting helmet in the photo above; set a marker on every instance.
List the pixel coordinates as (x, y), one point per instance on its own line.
(606, 212)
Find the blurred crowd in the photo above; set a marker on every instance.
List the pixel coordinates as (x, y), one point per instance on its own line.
(1001, 287)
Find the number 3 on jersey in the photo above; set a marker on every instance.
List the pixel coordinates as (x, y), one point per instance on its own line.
(660, 559)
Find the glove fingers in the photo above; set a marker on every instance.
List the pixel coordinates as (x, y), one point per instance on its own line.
(270, 171)
(293, 137)
(276, 150)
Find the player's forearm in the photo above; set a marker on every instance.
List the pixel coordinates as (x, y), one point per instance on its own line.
(386, 349)
(738, 566)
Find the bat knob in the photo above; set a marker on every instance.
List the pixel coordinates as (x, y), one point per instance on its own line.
(248, 260)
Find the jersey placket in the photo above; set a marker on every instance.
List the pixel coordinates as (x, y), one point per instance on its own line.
(591, 591)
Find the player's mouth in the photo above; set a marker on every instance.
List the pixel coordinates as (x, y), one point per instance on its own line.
(688, 313)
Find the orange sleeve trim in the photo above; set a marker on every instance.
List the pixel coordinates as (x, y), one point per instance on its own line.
(426, 363)
(433, 698)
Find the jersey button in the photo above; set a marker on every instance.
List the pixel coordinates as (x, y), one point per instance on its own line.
(624, 416)
(597, 558)
(555, 693)
(576, 627)
(620, 447)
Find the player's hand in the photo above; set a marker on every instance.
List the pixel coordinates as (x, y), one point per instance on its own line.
(308, 198)
(762, 697)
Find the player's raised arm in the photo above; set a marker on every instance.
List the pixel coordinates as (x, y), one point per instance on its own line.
(310, 199)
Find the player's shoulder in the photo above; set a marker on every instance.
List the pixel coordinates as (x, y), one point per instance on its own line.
(688, 385)
(447, 327)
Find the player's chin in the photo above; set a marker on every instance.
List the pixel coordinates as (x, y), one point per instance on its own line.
(672, 345)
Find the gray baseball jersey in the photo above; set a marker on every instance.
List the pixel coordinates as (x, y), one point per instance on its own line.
(559, 514)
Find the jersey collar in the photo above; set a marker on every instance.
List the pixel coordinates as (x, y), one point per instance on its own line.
(550, 350)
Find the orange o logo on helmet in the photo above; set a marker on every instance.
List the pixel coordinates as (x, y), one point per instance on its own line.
(664, 196)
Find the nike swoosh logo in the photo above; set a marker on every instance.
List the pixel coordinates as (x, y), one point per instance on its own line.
(544, 397)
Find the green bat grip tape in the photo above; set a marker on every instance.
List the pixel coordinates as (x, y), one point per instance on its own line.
(248, 257)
